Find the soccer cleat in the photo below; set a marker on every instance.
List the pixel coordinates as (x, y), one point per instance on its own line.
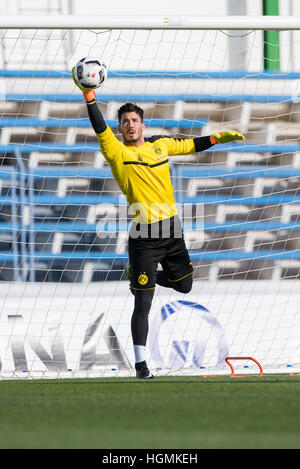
(142, 371)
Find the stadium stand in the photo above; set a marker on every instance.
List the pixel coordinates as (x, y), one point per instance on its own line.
(65, 222)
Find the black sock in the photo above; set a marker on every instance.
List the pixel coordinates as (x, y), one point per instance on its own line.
(139, 319)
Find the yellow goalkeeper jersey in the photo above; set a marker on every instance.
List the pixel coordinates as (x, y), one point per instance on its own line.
(143, 173)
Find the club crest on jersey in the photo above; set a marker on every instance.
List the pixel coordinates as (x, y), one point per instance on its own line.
(157, 150)
(143, 279)
(139, 157)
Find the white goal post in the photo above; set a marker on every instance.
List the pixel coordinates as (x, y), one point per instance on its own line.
(65, 302)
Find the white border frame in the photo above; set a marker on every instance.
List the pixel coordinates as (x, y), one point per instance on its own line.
(150, 22)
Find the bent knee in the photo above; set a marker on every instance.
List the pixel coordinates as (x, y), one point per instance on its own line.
(184, 285)
(185, 289)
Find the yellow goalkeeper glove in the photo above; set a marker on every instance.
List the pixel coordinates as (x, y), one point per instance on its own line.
(88, 94)
(225, 137)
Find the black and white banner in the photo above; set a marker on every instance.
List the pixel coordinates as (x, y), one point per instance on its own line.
(84, 330)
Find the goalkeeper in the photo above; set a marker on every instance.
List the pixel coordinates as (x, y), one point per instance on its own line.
(141, 169)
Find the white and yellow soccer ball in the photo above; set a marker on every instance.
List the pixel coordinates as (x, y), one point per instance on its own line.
(90, 73)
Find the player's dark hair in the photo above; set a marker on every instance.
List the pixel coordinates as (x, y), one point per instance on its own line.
(130, 107)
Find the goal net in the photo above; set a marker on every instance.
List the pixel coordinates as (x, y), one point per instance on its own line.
(65, 301)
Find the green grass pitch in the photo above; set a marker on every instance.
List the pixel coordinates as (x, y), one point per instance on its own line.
(165, 413)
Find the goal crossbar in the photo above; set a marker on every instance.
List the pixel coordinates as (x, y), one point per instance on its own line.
(66, 306)
(150, 22)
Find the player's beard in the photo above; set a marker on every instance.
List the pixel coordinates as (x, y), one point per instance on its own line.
(128, 139)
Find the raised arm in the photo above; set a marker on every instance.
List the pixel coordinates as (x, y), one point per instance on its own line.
(95, 115)
(187, 146)
(203, 143)
(111, 147)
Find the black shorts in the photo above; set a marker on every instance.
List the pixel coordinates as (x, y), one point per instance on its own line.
(146, 254)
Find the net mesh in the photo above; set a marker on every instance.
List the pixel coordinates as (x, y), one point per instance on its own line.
(64, 222)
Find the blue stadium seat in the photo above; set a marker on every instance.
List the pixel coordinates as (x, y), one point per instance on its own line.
(64, 238)
(85, 122)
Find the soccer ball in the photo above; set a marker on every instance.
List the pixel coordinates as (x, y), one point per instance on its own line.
(90, 72)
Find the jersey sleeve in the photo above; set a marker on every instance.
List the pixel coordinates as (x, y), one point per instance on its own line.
(179, 146)
(110, 146)
(112, 150)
